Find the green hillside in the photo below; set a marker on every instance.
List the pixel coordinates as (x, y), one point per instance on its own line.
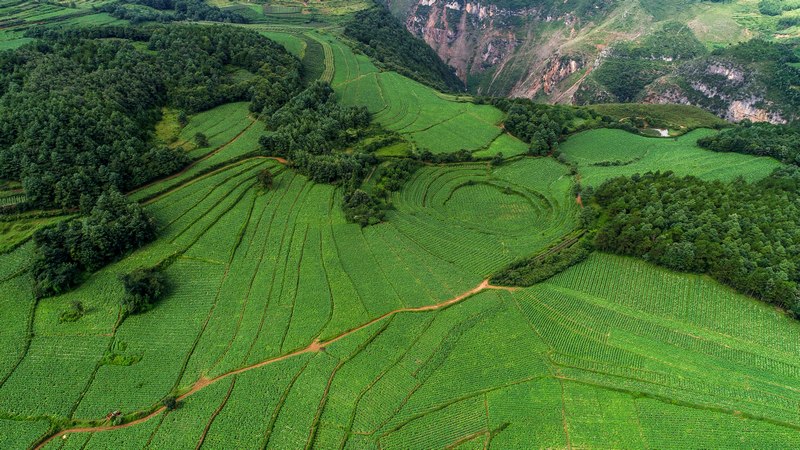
(255, 307)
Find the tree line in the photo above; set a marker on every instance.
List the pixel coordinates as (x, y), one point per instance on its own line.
(140, 11)
(77, 113)
(781, 142)
(743, 234)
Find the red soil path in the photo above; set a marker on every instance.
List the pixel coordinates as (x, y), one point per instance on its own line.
(313, 347)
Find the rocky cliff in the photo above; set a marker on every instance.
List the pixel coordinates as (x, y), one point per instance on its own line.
(503, 49)
(549, 51)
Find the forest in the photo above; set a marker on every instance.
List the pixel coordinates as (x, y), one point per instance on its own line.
(781, 142)
(97, 100)
(140, 11)
(743, 234)
(383, 38)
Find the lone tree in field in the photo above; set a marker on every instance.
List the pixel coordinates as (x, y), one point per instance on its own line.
(201, 140)
(143, 287)
(265, 179)
(170, 403)
(497, 160)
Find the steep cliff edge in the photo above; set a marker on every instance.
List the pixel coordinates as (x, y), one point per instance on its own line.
(551, 51)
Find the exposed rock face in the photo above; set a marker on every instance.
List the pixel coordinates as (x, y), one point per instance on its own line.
(500, 51)
(721, 87)
(548, 51)
(741, 110)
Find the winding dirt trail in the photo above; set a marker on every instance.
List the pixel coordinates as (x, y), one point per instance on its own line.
(313, 347)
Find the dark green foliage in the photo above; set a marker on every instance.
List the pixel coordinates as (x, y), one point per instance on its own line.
(395, 174)
(497, 159)
(143, 287)
(626, 76)
(170, 403)
(542, 126)
(264, 179)
(74, 313)
(770, 7)
(200, 140)
(96, 101)
(530, 271)
(359, 207)
(781, 142)
(65, 252)
(383, 38)
(137, 11)
(312, 129)
(744, 235)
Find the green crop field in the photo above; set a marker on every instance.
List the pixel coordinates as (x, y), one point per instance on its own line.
(285, 326)
(604, 355)
(603, 154)
(429, 119)
(16, 17)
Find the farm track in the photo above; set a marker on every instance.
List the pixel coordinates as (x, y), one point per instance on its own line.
(314, 347)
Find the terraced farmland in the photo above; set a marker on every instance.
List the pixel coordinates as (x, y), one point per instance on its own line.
(285, 326)
(576, 362)
(427, 118)
(603, 154)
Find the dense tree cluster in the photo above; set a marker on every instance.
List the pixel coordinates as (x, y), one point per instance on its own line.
(386, 40)
(138, 11)
(143, 287)
(770, 7)
(530, 271)
(361, 208)
(394, 175)
(542, 126)
(745, 235)
(76, 113)
(781, 142)
(65, 252)
(312, 130)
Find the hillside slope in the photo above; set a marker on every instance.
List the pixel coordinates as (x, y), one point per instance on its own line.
(550, 51)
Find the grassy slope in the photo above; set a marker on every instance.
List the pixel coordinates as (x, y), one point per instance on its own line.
(637, 154)
(572, 362)
(425, 117)
(579, 362)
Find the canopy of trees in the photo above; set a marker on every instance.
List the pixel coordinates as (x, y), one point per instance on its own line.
(312, 129)
(542, 126)
(77, 111)
(65, 252)
(382, 37)
(762, 139)
(143, 287)
(745, 235)
(138, 11)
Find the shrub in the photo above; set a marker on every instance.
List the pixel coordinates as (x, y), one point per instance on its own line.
(143, 287)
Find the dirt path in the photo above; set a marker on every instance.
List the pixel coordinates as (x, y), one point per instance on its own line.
(313, 347)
